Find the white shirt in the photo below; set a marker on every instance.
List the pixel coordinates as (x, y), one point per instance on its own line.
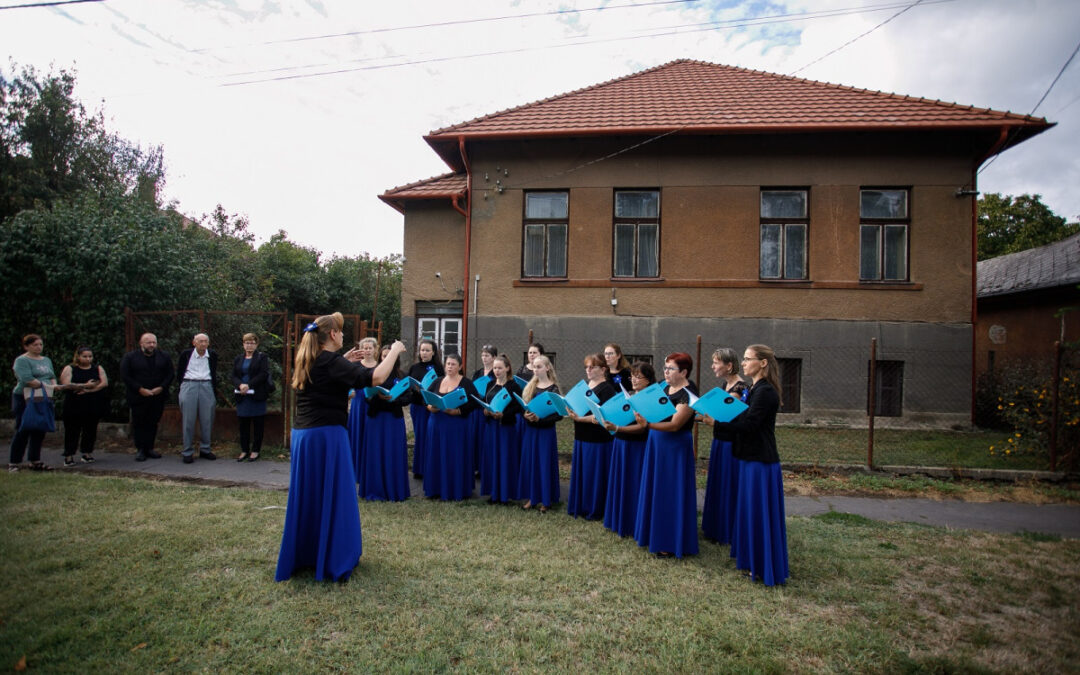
(198, 367)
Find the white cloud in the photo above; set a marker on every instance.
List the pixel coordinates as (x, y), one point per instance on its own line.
(311, 155)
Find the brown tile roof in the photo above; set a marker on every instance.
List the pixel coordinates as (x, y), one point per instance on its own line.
(446, 186)
(1049, 266)
(696, 97)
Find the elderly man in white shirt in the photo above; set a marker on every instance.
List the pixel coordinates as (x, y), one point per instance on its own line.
(197, 373)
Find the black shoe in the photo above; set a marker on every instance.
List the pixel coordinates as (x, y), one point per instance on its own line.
(254, 457)
(188, 459)
(153, 454)
(207, 455)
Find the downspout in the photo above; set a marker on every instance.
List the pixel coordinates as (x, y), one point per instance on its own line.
(468, 252)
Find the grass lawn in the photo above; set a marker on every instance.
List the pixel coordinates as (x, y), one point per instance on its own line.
(122, 575)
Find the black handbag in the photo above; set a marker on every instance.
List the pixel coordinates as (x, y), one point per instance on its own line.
(39, 414)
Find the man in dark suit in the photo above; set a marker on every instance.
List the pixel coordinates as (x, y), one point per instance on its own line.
(197, 373)
(147, 373)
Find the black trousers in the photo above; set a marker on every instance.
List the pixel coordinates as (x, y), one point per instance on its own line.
(144, 422)
(246, 423)
(79, 428)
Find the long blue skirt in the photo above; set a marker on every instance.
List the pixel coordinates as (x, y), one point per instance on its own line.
(420, 415)
(477, 424)
(501, 461)
(384, 469)
(667, 504)
(357, 419)
(624, 486)
(322, 516)
(538, 480)
(721, 488)
(588, 480)
(448, 472)
(759, 541)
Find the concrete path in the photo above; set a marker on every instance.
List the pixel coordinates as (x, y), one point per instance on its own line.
(1005, 517)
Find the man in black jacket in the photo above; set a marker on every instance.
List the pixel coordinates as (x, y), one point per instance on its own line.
(147, 373)
(197, 373)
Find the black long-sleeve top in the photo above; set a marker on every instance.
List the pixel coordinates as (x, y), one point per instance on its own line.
(138, 370)
(258, 375)
(417, 371)
(324, 400)
(513, 408)
(755, 427)
(590, 432)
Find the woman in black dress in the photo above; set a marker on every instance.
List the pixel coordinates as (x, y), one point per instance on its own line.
(618, 368)
(83, 406)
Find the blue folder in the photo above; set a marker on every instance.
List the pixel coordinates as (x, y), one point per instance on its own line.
(719, 405)
(653, 403)
(616, 410)
(429, 378)
(544, 405)
(481, 384)
(454, 399)
(578, 397)
(521, 382)
(394, 392)
(498, 402)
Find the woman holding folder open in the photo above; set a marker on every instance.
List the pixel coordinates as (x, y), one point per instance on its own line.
(592, 447)
(448, 471)
(718, 513)
(501, 443)
(627, 454)
(538, 481)
(667, 504)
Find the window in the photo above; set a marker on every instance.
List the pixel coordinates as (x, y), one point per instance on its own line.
(784, 221)
(791, 384)
(883, 235)
(888, 389)
(637, 233)
(441, 322)
(546, 220)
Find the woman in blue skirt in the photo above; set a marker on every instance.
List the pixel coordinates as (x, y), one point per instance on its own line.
(322, 517)
(592, 449)
(428, 355)
(501, 446)
(667, 504)
(718, 513)
(759, 540)
(538, 481)
(448, 469)
(477, 422)
(627, 455)
(384, 467)
(358, 405)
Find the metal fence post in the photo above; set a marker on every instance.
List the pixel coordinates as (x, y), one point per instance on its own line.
(1054, 403)
(872, 404)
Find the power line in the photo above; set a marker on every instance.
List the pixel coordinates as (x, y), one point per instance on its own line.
(854, 39)
(1015, 131)
(49, 4)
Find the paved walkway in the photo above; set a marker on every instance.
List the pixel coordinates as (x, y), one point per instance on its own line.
(1059, 519)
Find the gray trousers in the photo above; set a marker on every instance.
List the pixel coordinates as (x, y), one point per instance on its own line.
(197, 404)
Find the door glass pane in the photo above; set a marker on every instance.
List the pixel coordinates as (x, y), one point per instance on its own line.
(794, 251)
(624, 250)
(556, 252)
(637, 204)
(868, 252)
(648, 250)
(534, 251)
(770, 251)
(896, 252)
(783, 204)
(428, 329)
(546, 205)
(451, 336)
(883, 203)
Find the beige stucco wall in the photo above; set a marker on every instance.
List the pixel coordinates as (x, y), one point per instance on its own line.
(709, 228)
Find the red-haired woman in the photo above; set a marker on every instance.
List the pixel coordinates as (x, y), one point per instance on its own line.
(667, 504)
(322, 517)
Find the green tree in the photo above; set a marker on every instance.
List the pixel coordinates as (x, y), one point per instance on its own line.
(1008, 224)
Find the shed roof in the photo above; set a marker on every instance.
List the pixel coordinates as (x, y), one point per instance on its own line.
(1049, 266)
(445, 186)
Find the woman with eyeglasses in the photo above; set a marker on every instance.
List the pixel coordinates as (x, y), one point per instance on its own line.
(384, 464)
(618, 368)
(759, 538)
(718, 513)
(501, 445)
(427, 359)
(476, 422)
(538, 481)
(322, 516)
(448, 471)
(627, 455)
(667, 504)
(592, 449)
(358, 405)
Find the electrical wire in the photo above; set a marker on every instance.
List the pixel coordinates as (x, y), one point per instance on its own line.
(49, 4)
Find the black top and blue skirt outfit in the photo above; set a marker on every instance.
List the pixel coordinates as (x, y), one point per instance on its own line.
(721, 486)
(538, 479)
(448, 471)
(322, 516)
(590, 462)
(624, 481)
(500, 449)
(384, 463)
(419, 413)
(667, 503)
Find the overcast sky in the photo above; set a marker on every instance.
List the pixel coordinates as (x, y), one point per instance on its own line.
(299, 113)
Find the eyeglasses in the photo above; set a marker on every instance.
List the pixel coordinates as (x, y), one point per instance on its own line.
(751, 358)
(670, 369)
(610, 354)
